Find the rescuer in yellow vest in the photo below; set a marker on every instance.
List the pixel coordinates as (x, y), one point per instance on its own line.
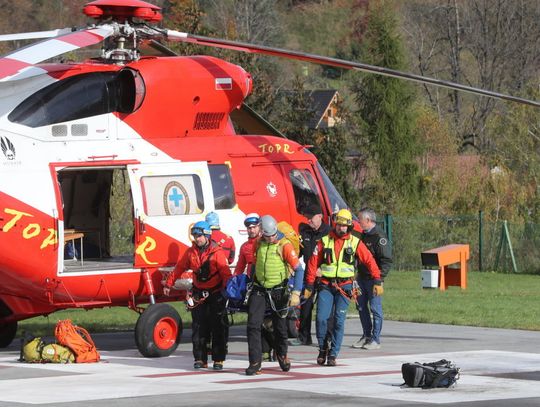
(337, 255)
(275, 257)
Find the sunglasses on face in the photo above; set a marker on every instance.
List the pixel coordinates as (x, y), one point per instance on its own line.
(196, 232)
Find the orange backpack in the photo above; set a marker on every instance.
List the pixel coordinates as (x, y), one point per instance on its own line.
(78, 340)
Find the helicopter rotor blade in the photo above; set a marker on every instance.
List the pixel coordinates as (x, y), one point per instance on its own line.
(36, 34)
(339, 63)
(14, 64)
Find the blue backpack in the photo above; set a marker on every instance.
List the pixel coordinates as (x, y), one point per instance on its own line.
(235, 292)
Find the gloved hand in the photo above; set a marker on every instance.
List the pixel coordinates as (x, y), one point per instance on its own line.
(308, 291)
(294, 299)
(378, 290)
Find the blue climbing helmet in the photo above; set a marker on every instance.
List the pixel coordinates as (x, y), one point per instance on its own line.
(213, 220)
(201, 228)
(252, 219)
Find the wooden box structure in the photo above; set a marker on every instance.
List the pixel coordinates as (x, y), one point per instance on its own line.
(445, 256)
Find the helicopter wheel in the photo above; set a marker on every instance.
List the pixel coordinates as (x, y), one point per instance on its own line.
(7, 333)
(158, 331)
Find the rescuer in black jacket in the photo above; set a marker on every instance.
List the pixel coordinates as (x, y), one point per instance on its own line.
(369, 304)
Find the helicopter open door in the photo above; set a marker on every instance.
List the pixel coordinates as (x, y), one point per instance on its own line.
(305, 189)
(167, 199)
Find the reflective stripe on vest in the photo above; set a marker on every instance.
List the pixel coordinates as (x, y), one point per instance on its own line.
(339, 269)
(270, 269)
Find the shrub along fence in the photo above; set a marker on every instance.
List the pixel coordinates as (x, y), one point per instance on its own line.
(495, 246)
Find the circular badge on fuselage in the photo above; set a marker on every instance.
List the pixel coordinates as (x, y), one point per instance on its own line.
(175, 199)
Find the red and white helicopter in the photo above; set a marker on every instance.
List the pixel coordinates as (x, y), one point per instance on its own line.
(68, 130)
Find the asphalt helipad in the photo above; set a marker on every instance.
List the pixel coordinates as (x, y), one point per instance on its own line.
(498, 368)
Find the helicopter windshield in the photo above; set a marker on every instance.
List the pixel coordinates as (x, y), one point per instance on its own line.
(336, 201)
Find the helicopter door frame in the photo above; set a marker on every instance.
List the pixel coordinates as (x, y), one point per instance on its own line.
(302, 165)
(167, 197)
(56, 169)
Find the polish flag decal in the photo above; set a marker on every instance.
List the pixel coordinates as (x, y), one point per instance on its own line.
(223, 83)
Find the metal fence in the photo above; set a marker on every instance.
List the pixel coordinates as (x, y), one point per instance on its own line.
(492, 248)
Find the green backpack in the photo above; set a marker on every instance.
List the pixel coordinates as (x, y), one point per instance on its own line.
(31, 350)
(56, 353)
(35, 350)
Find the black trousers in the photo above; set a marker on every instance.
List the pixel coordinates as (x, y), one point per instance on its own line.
(258, 306)
(306, 312)
(209, 322)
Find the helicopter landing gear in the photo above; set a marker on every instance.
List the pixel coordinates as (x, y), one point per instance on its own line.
(7, 333)
(158, 331)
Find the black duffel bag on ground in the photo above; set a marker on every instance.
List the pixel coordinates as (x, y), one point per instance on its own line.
(441, 373)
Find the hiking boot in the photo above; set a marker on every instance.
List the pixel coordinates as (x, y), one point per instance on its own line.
(284, 363)
(371, 345)
(253, 369)
(218, 366)
(331, 361)
(321, 359)
(199, 364)
(359, 343)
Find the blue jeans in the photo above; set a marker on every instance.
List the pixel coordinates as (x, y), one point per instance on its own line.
(367, 303)
(329, 298)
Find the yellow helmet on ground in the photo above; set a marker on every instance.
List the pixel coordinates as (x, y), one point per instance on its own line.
(344, 217)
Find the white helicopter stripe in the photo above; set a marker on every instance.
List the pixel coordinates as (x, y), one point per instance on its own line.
(33, 55)
(12, 63)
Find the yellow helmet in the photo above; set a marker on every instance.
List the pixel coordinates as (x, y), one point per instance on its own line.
(344, 217)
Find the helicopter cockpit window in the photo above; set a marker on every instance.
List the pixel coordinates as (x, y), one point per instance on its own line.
(336, 200)
(305, 190)
(169, 195)
(220, 176)
(81, 96)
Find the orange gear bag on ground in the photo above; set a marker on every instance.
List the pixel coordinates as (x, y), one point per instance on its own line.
(78, 340)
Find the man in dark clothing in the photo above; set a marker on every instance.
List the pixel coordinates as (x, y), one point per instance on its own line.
(310, 234)
(370, 304)
(206, 264)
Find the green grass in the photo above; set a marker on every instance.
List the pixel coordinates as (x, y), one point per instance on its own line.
(491, 300)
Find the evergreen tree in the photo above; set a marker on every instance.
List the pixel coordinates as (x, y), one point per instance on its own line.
(332, 150)
(292, 113)
(387, 117)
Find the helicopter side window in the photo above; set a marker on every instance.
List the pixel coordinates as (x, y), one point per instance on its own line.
(305, 190)
(81, 96)
(220, 176)
(169, 195)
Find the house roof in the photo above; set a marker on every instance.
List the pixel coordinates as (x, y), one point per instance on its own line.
(321, 100)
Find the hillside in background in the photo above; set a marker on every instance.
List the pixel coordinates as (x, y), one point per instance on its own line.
(399, 147)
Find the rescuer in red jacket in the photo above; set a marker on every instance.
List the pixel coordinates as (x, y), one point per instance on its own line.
(222, 239)
(246, 255)
(206, 262)
(337, 255)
